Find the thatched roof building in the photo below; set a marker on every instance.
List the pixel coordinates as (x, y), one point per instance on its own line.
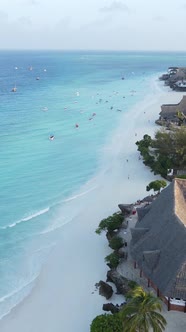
(174, 75)
(169, 111)
(158, 242)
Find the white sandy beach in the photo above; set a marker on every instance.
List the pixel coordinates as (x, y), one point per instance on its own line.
(64, 297)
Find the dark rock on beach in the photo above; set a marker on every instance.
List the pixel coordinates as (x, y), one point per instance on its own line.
(120, 282)
(110, 307)
(126, 209)
(105, 289)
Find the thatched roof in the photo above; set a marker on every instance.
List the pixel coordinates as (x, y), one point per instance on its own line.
(142, 211)
(137, 233)
(151, 257)
(159, 241)
(179, 75)
(169, 111)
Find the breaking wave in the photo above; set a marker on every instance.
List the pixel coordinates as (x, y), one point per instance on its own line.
(34, 215)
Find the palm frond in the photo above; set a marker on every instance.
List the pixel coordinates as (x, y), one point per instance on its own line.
(140, 314)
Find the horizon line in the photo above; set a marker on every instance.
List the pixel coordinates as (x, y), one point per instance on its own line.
(88, 50)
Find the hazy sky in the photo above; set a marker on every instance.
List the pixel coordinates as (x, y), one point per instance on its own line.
(93, 24)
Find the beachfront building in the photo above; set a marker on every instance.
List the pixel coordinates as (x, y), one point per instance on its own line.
(174, 75)
(169, 111)
(158, 245)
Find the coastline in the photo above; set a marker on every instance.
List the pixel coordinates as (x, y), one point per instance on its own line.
(64, 297)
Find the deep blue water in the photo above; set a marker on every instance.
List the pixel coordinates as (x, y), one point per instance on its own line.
(79, 98)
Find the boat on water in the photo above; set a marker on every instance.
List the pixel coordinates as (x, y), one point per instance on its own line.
(14, 89)
(37, 78)
(45, 109)
(122, 76)
(51, 138)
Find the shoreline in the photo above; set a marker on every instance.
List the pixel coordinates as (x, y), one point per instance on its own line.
(66, 284)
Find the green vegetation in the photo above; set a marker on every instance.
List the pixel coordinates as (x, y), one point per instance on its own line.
(181, 176)
(107, 323)
(110, 224)
(116, 243)
(156, 185)
(140, 313)
(181, 118)
(112, 260)
(167, 150)
(132, 284)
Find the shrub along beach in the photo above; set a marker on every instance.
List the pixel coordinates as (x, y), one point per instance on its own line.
(65, 297)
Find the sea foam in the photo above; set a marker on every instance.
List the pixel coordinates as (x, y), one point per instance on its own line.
(30, 217)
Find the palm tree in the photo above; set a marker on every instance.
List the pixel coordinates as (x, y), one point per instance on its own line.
(140, 313)
(181, 117)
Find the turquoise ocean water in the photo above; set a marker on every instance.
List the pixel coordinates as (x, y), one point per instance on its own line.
(78, 97)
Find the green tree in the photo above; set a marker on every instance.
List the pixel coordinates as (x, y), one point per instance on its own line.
(116, 242)
(180, 147)
(156, 185)
(163, 142)
(167, 150)
(172, 145)
(162, 165)
(145, 142)
(144, 146)
(110, 224)
(107, 323)
(112, 260)
(181, 117)
(140, 313)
